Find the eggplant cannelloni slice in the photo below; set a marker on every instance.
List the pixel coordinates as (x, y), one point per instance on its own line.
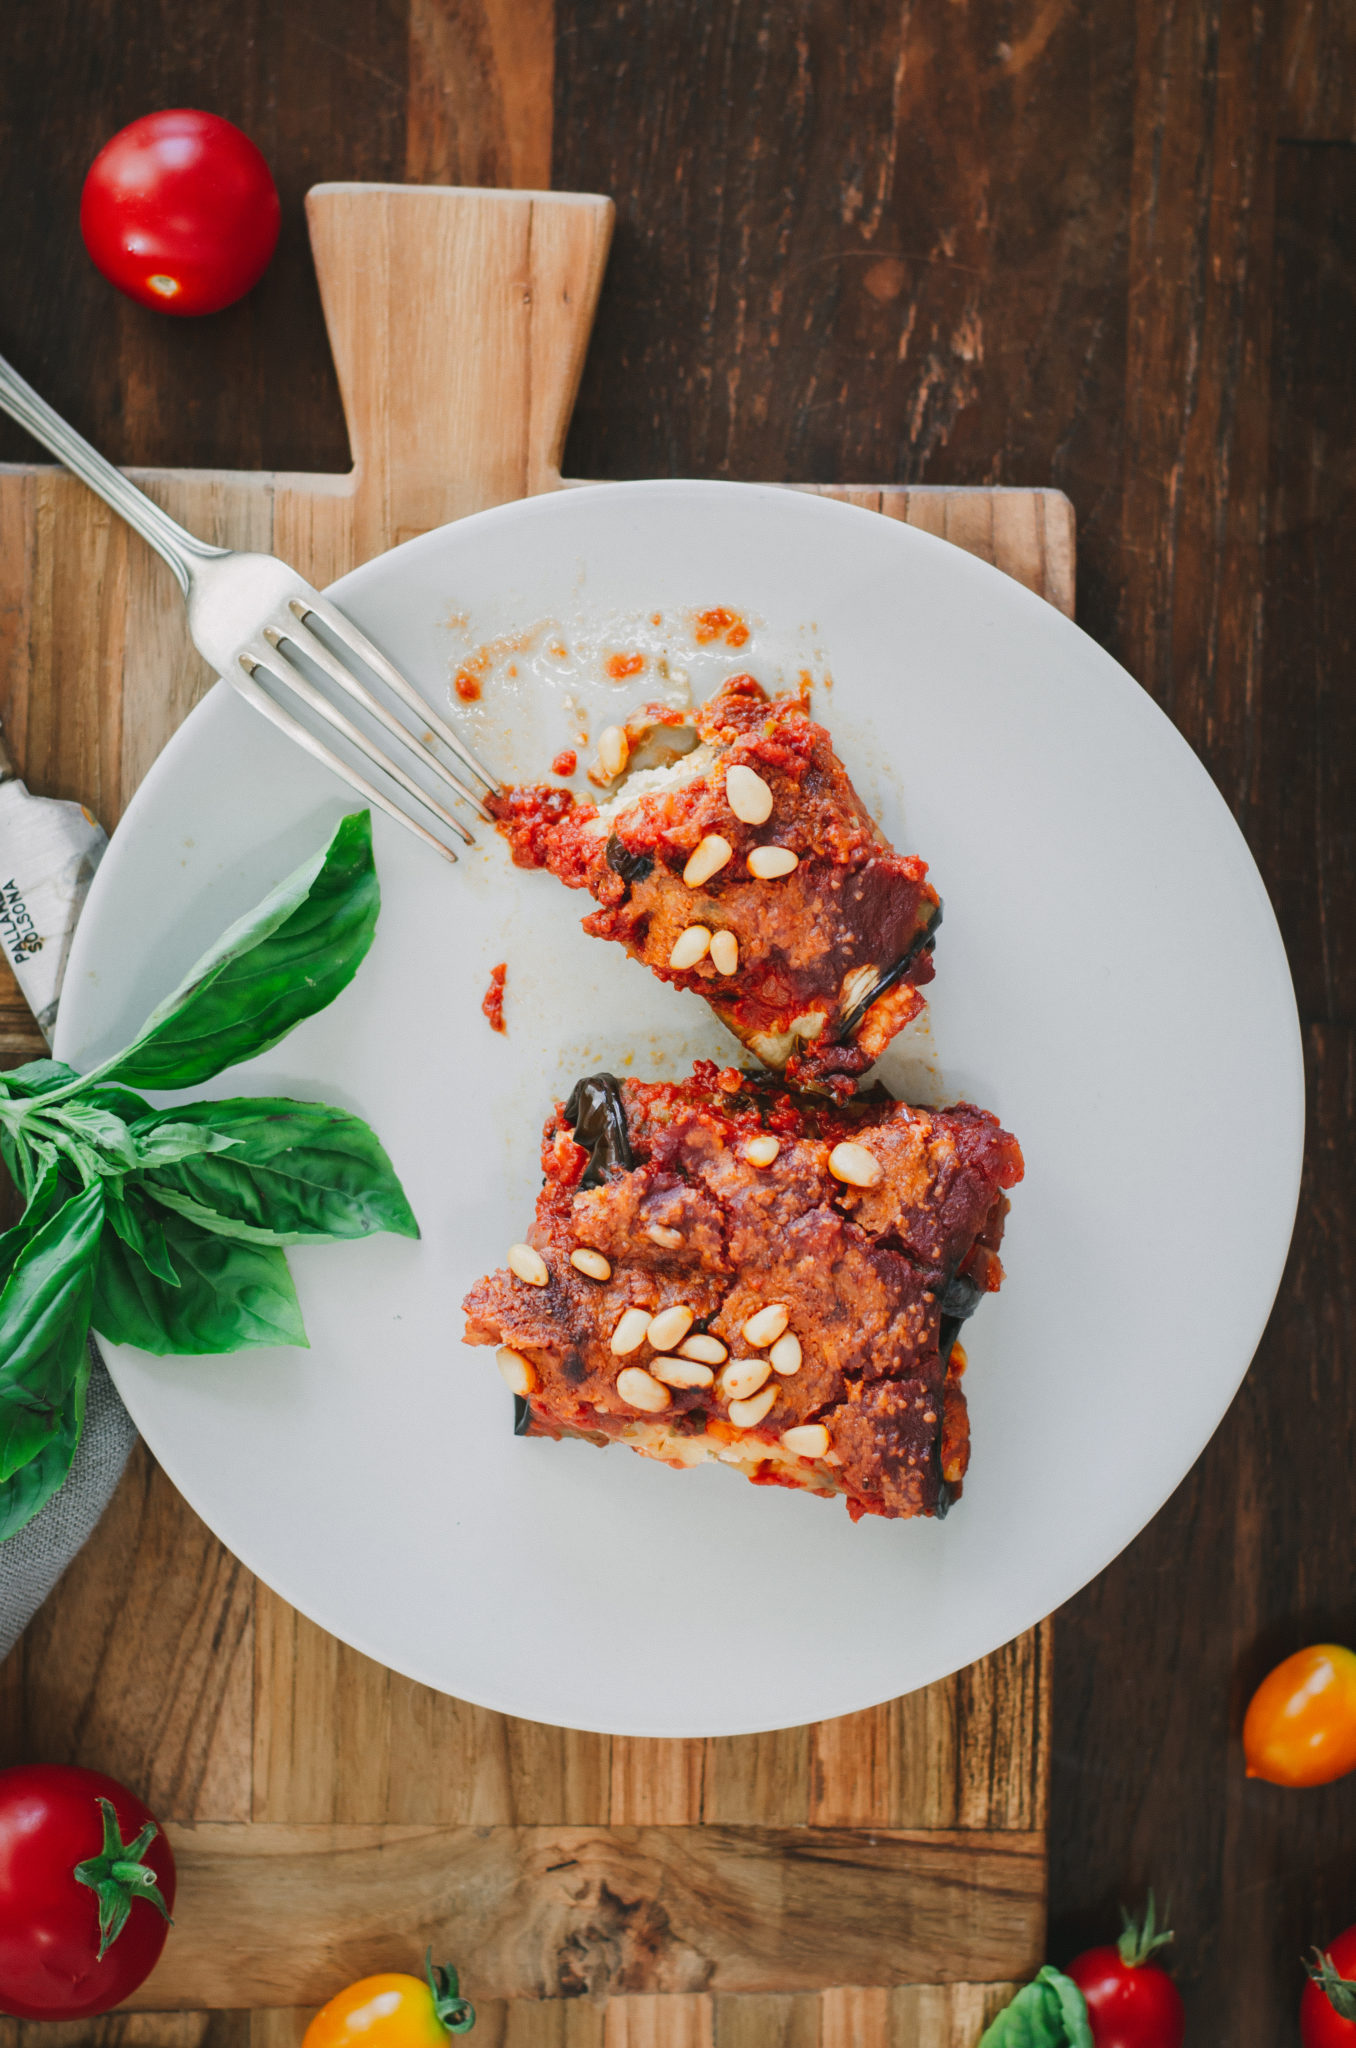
(719, 1269)
(746, 868)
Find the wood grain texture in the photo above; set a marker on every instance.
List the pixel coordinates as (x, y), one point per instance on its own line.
(313, 1786)
(869, 241)
(478, 110)
(1157, 1659)
(270, 1916)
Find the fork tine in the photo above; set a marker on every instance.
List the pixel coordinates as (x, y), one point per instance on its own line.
(255, 694)
(315, 648)
(276, 664)
(358, 643)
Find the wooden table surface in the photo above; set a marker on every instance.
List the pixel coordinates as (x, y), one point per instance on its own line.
(1106, 247)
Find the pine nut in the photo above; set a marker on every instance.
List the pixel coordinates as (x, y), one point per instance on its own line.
(518, 1373)
(748, 1414)
(706, 1350)
(855, 1165)
(528, 1265)
(640, 1389)
(668, 1329)
(762, 1150)
(629, 1334)
(857, 984)
(744, 1376)
(748, 795)
(689, 947)
(660, 1234)
(810, 1440)
(832, 1458)
(614, 750)
(585, 1260)
(709, 858)
(682, 1372)
(766, 863)
(786, 1354)
(725, 952)
(766, 1325)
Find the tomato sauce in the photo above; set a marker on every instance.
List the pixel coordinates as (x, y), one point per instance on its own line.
(720, 624)
(493, 1001)
(620, 666)
(565, 762)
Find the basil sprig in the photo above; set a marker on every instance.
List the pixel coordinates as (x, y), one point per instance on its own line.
(1049, 2012)
(166, 1228)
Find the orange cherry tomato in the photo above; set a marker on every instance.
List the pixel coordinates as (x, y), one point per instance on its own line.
(1300, 1727)
(394, 2011)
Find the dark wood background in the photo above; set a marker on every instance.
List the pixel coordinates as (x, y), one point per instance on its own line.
(1106, 244)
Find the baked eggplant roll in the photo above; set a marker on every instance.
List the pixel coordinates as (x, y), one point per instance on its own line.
(730, 853)
(719, 1269)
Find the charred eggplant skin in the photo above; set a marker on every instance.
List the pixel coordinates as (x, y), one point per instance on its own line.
(598, 1116)
(632, 867)
(922, 942)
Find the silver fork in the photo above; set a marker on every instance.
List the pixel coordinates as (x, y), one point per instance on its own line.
(250, 615)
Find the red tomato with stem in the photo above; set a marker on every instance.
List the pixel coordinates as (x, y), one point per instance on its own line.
(1328, 2005)
(180, 211)
(86, 1889)
(1132, 2002)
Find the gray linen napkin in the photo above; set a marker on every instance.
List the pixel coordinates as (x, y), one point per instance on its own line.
(32, 1561)
(48, 853)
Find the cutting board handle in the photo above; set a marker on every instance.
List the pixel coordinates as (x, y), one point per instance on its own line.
(458, 318)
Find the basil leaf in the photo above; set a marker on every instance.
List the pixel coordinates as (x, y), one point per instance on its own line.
(1050, 2012)
(284, 961)
(47, 1197)
(32, 1486)
(44, 1320)
(36, 1076)
(296, 1172)
(163, 1143)
(123, 1102)
(103, 1132)
(230, 1296)
(137, 1222)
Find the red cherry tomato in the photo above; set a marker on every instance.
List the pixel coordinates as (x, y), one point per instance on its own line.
(1132, 2003)
(180, 212)
(86, 1889)
(1328, 2005)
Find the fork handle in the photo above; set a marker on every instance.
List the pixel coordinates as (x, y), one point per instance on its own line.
(180, 548)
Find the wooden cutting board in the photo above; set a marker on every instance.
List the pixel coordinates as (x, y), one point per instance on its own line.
(871, 1880)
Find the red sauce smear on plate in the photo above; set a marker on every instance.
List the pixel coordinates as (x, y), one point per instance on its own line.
(620, 666)
(718, 624)
(493, 1004)
(467, 686)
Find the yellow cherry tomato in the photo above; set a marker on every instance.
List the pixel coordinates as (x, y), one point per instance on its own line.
(1300, 1727)
(394, 2011)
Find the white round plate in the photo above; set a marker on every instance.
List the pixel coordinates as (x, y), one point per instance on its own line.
(1110, 981)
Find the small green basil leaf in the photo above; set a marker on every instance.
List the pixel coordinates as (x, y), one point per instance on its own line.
(297, 1172)
(30, 1488)
(287, 959)
(163, 1143)
(36, 1077)
(138, 1223)
(44, 1320)
(98, 1127)
(1050, 2012)
(230, 1296)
